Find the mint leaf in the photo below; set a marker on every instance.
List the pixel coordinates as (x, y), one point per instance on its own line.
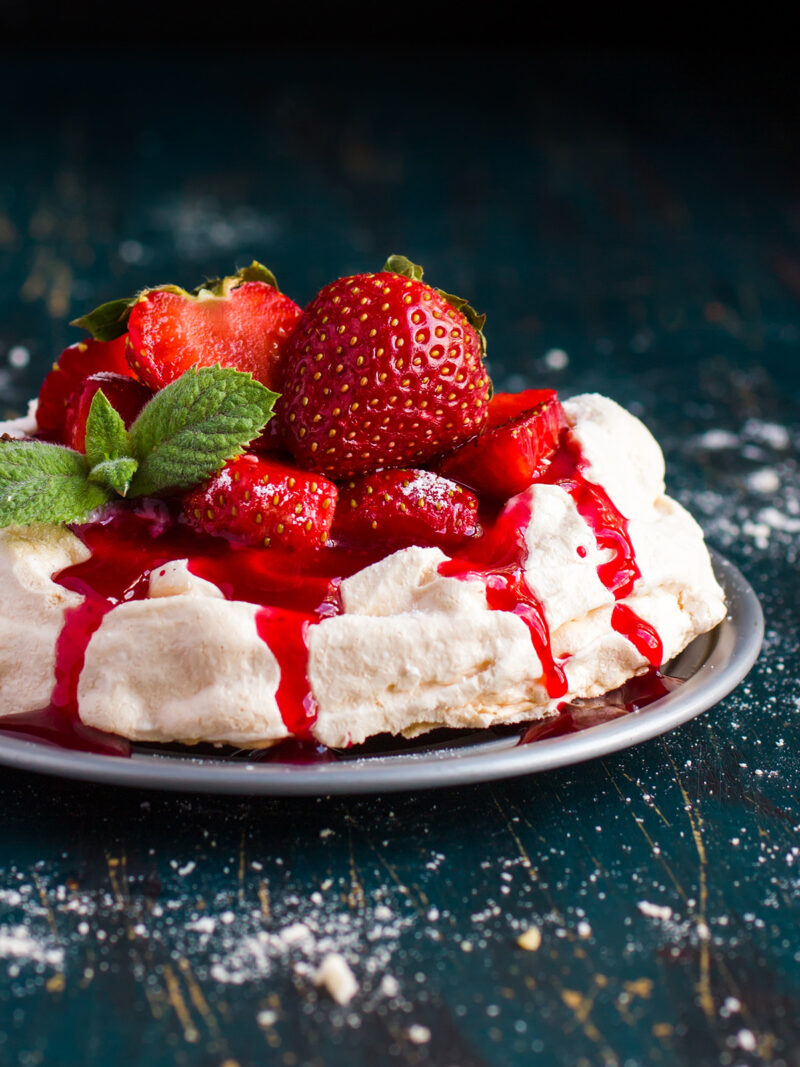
(404, 266)
(108, 321)
(190, 429)
(106, 436)
(45, 483)
(116, 474)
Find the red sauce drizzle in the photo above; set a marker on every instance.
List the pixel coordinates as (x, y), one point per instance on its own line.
(610, 527)
(286, 633)
(293, 591)
(641, 634)
(296, 590)
(498, 559)
(636, 693)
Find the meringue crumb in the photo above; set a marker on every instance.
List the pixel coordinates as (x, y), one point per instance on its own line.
(530, 939)
(335, 976)
(418, 1035)
(654, 911)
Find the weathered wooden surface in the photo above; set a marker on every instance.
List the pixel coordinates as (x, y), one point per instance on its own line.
(609, 213)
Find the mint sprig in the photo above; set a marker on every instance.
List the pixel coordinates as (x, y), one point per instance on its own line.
(190, 429)
(186, 433)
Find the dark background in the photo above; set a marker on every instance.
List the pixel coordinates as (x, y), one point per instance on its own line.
(629, 218)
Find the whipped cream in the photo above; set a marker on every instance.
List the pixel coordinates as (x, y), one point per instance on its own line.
(412, 649)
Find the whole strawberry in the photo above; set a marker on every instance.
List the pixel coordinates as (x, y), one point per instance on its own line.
(382, 371)
(261, 502)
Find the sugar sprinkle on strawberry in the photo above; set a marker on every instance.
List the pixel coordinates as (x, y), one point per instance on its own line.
(262, 502)
(406, 507)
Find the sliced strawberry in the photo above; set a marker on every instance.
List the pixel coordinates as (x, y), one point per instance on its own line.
(506, 406)
(406, 507)
(127, 396)
(507, 459)
(170, 331)
(75, 365)
(262, 502)
(382, 371)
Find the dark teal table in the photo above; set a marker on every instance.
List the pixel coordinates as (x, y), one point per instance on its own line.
(628, 228)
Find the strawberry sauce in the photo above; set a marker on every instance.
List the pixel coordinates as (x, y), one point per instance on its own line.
(636, 693)
(498, 559)
(295, 590)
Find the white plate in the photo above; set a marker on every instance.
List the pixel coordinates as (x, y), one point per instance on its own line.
(712, 666)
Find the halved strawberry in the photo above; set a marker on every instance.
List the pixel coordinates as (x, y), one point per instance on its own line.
(245, 327)
(263, 502)
(75, 365)
(126, 395)
(508, 458)
(405, 507)
(506, 406)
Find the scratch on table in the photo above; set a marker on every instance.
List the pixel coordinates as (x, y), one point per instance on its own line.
(581, 1007)
(652, 804)
(419, 903)
(241, 871)
(198, 999)
(527, 862)
(703, 987)
(356, 897)
(179, 1006)
(117, 876)
(57, 982)
(639, 826)
(263, 899)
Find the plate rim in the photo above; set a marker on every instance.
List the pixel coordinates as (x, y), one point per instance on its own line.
(737, 644)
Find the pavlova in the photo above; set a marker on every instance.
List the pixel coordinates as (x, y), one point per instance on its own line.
(230, 520)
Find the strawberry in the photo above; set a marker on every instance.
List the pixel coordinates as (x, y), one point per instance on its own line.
(75, 365)
(270, 439)
(382, 371)
(244, 326)
(127, 396)
(511, 454)
(406, 507)
(506, 406)
(260, 501)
